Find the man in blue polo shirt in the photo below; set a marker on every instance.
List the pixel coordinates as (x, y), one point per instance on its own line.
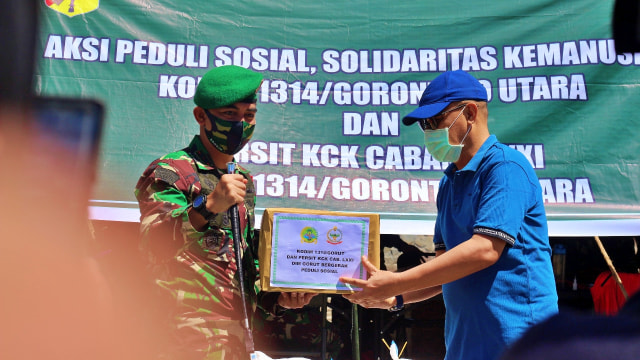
(493, 263)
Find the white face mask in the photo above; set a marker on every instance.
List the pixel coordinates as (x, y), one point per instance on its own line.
(437, 142)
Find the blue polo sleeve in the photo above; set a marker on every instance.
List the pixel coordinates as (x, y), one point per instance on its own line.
(438, 241)
(506, 194)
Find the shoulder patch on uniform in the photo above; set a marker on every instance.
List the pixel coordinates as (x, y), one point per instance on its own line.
(166, 175)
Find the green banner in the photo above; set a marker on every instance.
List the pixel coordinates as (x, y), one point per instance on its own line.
(339, 78)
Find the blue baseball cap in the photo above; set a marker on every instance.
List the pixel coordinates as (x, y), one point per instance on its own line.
(443, 90)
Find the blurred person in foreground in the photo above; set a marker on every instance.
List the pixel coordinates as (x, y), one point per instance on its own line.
(186, 231)
(56, 302)
(581, 336)
(493, 259)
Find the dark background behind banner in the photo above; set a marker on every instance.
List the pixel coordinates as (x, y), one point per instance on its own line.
(338, 79)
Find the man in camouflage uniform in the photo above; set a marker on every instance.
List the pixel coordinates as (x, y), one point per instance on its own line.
(186, 232)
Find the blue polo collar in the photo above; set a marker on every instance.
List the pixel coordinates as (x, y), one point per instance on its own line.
(476, 159)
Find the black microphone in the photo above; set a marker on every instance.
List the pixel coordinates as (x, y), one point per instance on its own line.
(234, 215)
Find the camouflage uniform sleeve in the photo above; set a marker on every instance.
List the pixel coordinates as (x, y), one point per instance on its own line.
(163, 193)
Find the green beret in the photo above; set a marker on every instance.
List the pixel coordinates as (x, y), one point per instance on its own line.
(225, 85)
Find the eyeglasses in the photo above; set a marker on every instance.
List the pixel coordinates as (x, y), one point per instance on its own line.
(433, 122)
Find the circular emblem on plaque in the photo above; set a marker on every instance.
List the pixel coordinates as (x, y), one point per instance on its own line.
(334, 236)
(309, 235)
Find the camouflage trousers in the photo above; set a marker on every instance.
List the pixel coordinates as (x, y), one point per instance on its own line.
(300, 329)
(196, 338)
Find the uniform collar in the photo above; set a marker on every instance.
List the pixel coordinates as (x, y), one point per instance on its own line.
(200, 154)
(203, 159)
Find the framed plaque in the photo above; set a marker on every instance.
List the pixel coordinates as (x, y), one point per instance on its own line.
(309, 250)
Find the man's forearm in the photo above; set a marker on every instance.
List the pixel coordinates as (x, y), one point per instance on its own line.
(469, 257)
(422, 294)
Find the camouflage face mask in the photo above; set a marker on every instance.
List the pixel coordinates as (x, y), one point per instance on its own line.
(228, 137)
